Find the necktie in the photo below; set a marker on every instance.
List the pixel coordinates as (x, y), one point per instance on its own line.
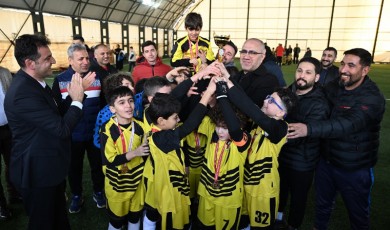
(48, 90)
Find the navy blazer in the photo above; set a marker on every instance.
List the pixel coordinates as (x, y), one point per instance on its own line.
(41, 135)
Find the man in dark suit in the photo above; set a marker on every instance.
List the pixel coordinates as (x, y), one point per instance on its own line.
(40, 134)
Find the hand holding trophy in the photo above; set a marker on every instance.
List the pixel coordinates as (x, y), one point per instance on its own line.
(221, 41)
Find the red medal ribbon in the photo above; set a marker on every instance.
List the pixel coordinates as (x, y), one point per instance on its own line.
(217, 165)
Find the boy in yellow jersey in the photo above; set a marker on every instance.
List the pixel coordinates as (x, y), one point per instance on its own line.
(192, 50)
(261, 177)
(167, 187)
(122, 150)
(221, 182)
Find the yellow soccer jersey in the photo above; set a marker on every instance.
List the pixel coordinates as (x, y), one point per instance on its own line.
(229, 189)
(119, 185)
(261, 176)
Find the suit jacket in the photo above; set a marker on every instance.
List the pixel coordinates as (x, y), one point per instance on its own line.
(40, 134)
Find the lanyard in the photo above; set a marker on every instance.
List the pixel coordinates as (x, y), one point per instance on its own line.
(196, 50)
(217, 164)
(197, 141)
(123, 137)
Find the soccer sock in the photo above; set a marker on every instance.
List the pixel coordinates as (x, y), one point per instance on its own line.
(110, 227)
(280, 216)
(133, 226)
(148, 224)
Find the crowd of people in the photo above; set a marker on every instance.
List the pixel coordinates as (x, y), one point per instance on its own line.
(199, 144)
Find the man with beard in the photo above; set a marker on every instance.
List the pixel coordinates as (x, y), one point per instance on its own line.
(329, 72)
(299, 157)
(352, 141)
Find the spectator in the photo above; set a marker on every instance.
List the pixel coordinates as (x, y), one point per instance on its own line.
(329, 71)
(352, 141)
(296, 50)
(149, 64)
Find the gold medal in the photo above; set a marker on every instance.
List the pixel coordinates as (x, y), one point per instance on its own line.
(124, 169)
(216, 185)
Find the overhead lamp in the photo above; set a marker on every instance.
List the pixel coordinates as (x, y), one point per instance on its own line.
(152, 3)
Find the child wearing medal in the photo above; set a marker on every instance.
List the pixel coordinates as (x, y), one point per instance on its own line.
(167, 187)
(122, 153)
(269, 134)
(192, 51)
(221, 183)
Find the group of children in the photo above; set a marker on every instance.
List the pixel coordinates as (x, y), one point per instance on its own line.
(215, 170)
(207, 172)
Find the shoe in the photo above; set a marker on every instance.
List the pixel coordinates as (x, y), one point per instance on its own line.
(76, 204)
(5, 213)
(100, 199)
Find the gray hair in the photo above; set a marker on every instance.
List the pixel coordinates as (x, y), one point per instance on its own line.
(75, 47)
(5, 78)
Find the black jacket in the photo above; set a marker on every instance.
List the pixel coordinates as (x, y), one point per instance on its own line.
(257, 84)
(352, 131)
(41, 137)
(302, 154)
(329, 75)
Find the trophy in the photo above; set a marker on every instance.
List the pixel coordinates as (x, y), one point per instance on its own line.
(221, 41)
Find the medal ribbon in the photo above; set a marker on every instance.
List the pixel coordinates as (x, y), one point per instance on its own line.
(123, 138)
(196, 50)
(217, 165)
(197, 141)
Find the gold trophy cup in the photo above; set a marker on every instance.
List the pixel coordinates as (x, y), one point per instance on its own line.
(221, 41)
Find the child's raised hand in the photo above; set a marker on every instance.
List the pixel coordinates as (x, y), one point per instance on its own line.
(142, 150)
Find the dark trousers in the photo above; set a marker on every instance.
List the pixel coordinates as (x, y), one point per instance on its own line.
(354, 187)
(298, 185)
(5, 150)
(46, 207)
(76, 167)
(131, 65)
(295, 59)
(279, 60)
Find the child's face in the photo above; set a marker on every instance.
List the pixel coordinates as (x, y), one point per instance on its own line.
(123, 109)
(222, 132)
(171, 122)
(128, 84)
(193, 33)
(273, 106)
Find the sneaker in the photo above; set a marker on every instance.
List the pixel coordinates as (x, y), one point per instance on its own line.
(76, 204)
(5, 213)
(100, 199)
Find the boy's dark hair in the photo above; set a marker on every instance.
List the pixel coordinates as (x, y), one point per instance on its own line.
(163, 105)
(26, 47)
(114, 81)
(314, 61)
(193, 21)
(365, 56)
(78, 37)
(216, 116)
(153, 84)
(288, 98)
(332, 49)
(120, 91)
(230, 43)
(148, 43)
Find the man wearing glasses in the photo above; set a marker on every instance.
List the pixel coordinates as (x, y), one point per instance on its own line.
(254, 78)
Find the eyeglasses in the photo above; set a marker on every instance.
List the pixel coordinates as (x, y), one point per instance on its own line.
(251, 53)
(272, 100)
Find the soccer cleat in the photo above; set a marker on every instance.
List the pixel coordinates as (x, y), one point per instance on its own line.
(76, 204)
(100, 199)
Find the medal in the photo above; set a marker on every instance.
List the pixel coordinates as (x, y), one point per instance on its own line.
(216, 185)
(124, 169)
